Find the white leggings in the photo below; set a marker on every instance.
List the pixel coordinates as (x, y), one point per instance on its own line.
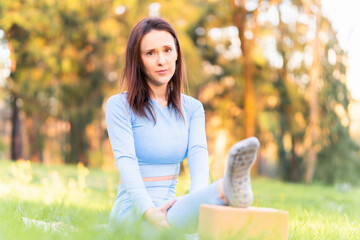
(184, 214)
(185, 211)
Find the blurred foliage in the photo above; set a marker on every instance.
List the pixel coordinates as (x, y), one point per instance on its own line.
(338, 161)
(67, 58)
(281, 81)
(61, 59)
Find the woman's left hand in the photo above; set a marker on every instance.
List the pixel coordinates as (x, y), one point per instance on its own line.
(157, 215)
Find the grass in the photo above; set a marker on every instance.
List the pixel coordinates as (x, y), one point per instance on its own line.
(82, 198)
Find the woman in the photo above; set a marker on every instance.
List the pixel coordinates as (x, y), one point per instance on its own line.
(153, 127)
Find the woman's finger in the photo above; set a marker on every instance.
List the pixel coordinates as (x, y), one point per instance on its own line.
(167, 205)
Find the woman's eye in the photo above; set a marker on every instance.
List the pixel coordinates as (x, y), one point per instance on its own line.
(168, 50)
(150, 53)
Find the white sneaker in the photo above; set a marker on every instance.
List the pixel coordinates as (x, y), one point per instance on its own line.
(237, 184)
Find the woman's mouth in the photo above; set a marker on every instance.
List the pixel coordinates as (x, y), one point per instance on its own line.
(162, 71)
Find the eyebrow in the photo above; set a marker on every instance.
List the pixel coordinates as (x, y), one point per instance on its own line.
(152, 49)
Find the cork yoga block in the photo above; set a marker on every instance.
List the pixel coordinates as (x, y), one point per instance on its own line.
(223, 222)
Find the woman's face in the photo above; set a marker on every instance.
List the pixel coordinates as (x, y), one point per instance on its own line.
(158, 55)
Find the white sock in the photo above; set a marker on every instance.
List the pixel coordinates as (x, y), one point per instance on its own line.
(237, 184)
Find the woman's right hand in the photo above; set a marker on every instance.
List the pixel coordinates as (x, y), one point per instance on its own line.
(157, 215)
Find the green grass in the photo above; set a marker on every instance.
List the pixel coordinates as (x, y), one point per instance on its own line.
(82, 198)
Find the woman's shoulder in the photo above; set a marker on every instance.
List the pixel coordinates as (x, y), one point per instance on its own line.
(190, 103)
(117, 100)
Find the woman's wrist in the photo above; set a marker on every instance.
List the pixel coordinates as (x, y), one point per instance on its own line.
(148, 211)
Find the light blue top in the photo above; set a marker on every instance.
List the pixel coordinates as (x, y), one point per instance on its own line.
(138, 145)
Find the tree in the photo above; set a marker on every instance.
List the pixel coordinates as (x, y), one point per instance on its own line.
(314, 75)
(69, 57)
(31, 75)
(337, 160)
(286, 91)
(241, 16)
(234, 70)
(60, 69)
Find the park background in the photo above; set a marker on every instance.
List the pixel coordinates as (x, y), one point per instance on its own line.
(280, 70)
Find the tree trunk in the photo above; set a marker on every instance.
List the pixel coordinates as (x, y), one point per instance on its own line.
(16, 137)
(35, 144)
(248, 70)
(77, 143)
(314, 75)
(73, 156)
(284, 113)
(293, 162)
(81, 145)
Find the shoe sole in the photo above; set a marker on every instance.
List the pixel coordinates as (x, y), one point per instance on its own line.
(242, 156)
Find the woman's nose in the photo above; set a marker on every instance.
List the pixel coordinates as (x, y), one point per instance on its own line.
(161, 59)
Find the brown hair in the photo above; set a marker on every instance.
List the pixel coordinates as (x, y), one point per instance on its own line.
(138, 90)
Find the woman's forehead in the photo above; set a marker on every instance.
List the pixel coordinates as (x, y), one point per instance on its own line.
(156, 39)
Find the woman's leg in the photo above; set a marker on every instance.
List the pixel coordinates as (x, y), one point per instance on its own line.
(185, 211)
(234, 188)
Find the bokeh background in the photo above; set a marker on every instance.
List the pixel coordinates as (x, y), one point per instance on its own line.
(284, 71)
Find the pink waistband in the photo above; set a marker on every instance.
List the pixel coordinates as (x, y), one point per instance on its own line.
(161, 178)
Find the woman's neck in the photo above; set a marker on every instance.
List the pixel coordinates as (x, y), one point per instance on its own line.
(159, 94)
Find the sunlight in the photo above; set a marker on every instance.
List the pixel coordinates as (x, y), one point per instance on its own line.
(354, 70)
(345, 19)
(5, 61)
(52, 188)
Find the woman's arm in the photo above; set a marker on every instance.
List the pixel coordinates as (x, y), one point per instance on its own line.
(120, 133)
(198, 157)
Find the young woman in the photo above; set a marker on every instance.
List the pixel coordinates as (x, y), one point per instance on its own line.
(153, 127)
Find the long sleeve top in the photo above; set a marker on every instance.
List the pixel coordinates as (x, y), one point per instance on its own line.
(138, 142)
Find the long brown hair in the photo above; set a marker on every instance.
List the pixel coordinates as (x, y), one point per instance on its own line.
(138, 90)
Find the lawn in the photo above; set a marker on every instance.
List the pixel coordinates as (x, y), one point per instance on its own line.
(81, 199)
